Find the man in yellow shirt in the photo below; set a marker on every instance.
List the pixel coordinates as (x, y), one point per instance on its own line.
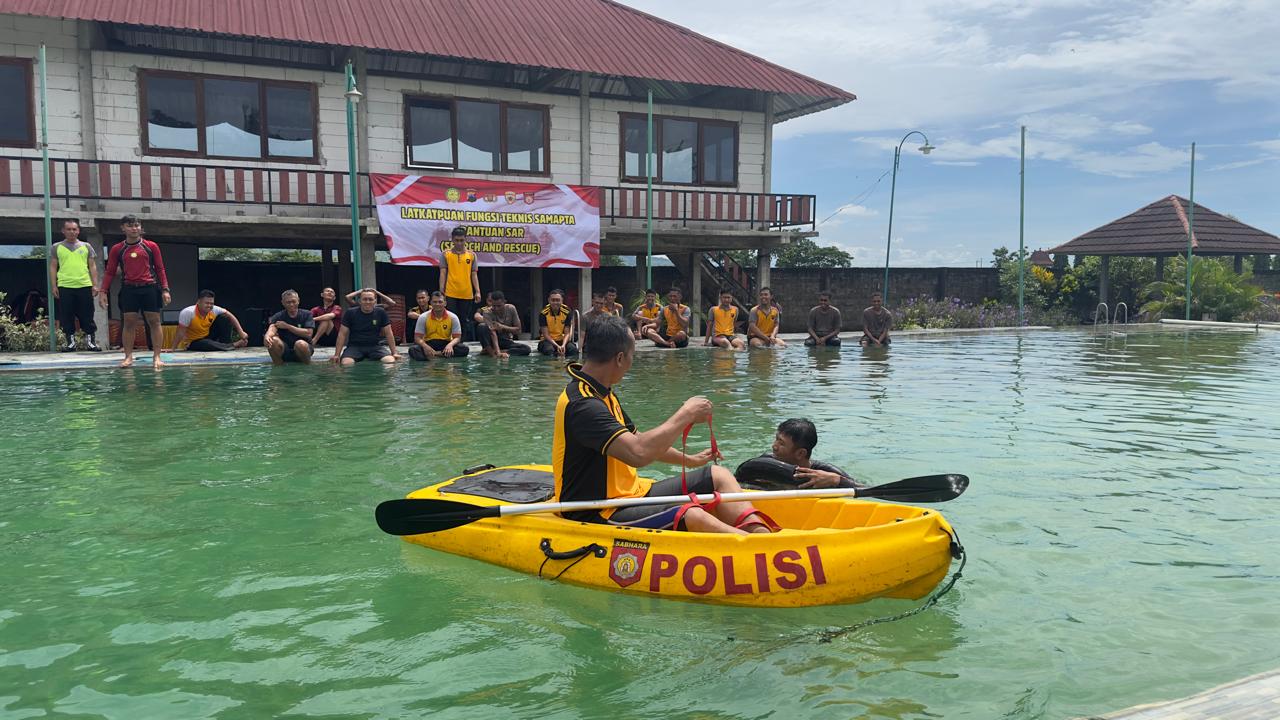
(556, 324)
(763, 322)
(646, 315)
(460, 280)
(437, 332)
(722, 324)
(596, 449)
(206, 327)
(672, 330)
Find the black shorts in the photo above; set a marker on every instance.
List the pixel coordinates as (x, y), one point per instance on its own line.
(683, 343)
(868, 340)
(328, 339)
(139, 298)
(290, 352)
(656, 516)
(365, 352)
(831, 342)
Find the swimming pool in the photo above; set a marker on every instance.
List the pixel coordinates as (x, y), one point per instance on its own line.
(199, 542)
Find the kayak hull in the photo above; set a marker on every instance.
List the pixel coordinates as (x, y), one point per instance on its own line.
(831, 551)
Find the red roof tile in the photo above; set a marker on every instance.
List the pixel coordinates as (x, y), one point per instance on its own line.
(1161, 229)
(597, 36)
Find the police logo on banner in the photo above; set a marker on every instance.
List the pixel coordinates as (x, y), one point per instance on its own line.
(626, 563)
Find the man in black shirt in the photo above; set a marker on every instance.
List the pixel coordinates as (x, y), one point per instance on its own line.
(288, 336)
(791, 463)
(365, 333)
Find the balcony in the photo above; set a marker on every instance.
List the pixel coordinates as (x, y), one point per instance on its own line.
(211, 190)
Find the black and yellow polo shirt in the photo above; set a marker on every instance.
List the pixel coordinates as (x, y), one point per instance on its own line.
(588, 420)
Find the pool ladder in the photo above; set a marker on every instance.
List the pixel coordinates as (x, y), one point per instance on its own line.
(1100, 316)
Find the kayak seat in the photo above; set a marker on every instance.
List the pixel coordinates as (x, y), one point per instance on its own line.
(513, 485)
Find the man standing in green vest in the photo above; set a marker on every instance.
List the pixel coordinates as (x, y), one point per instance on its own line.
(73, 267)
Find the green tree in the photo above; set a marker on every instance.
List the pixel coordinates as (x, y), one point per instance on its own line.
(35, 253)
(1215, 289)
(805, 253)
(611, 261)
(257, 255)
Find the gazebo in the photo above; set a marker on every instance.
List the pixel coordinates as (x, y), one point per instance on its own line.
(1160, 230)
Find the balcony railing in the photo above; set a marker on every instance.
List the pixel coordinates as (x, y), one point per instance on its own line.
(188, 184)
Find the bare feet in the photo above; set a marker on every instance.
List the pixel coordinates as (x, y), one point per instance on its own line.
(127, 362)
(157, 363)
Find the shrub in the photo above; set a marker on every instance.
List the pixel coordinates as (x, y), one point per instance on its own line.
(952, 313)
(24, 337)
(1215, 290)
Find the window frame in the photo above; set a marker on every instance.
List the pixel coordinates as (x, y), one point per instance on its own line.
(409, 99)
(28, 66)
(202, 152)
(699, 167)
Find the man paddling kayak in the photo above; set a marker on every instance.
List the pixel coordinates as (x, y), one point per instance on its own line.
(596, 448)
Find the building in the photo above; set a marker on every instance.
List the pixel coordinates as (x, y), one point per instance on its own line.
(223, 124)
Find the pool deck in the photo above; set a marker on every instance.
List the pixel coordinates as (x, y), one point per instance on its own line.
(258, 356)
(1253, 698)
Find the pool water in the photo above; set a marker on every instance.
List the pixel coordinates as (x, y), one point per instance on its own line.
(199, 543)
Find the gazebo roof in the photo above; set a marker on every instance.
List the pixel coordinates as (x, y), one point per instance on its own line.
(1161, 229)
(1041, 258)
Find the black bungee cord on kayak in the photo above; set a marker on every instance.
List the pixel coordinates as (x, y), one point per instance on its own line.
(957, 551)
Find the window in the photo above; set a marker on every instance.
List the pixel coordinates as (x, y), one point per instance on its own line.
(476, 136)
(687, 151)
(205, 116)
(17, 113)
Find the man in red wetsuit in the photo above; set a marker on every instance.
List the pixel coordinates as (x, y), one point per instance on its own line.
(144, 288)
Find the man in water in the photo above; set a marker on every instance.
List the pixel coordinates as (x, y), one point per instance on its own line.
(365, 333)
(206, 327)
(793, 444)
(288, 336)
(596, 449)
(824, 323)
(722, 324)
(556, 326)
(764, 321)
(876, 321)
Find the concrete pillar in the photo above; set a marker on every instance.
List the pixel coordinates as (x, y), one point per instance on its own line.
(1159, 268)
(1239, 266)
(85, 31)
(368, 266)
(326, 266)
(343, 285)
(537, 298)
(584, 290)
(361, 66)
(642, 271)
(92, 235)
(695, 283)
(1104, 281)
(768, 143)
(763, 267)
(584, 120)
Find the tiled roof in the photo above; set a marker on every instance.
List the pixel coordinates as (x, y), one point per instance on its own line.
(1161, 229)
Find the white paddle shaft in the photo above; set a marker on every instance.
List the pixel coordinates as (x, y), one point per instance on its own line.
(673, 500)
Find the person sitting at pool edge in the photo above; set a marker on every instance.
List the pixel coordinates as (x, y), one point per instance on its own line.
(672, 330)
(384, 301)
(824, 323)
(647, 314)
(611, 304)
(288, 336)
(722, 324)
(876, 322)
(596, 449)
(498, 327)
(365, 333)
(555, 327)
(423, 306)
(764, 321)
(793, 444)
(597, 311)
(328, 317)
(206, 327)
(437, 332)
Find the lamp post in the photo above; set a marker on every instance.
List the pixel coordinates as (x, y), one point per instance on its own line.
(353, 98)
(926, 148)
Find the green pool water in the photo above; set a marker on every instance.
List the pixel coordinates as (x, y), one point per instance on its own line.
(199, 543)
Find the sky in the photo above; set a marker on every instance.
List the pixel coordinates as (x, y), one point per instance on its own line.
(1112, 93)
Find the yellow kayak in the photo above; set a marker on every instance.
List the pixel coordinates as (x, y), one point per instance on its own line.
(831, 550)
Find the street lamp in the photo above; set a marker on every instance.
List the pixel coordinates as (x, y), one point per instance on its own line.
(353, 98)
(925, 149)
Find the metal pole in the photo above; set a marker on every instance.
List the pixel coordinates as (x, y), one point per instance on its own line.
(1022, 204)
(648, 203)
(48, 219)
(351, 170)
(893, 188)
(1191, 227)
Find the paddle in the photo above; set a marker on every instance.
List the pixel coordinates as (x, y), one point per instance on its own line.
(428, 515)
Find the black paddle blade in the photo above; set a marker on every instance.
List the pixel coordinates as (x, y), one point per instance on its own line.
(415, 517)
(923, 489)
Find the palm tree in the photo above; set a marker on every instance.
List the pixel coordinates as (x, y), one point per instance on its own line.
(1215, 289)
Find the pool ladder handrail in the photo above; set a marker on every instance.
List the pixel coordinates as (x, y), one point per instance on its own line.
(1103, 307)
(1116, 320)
